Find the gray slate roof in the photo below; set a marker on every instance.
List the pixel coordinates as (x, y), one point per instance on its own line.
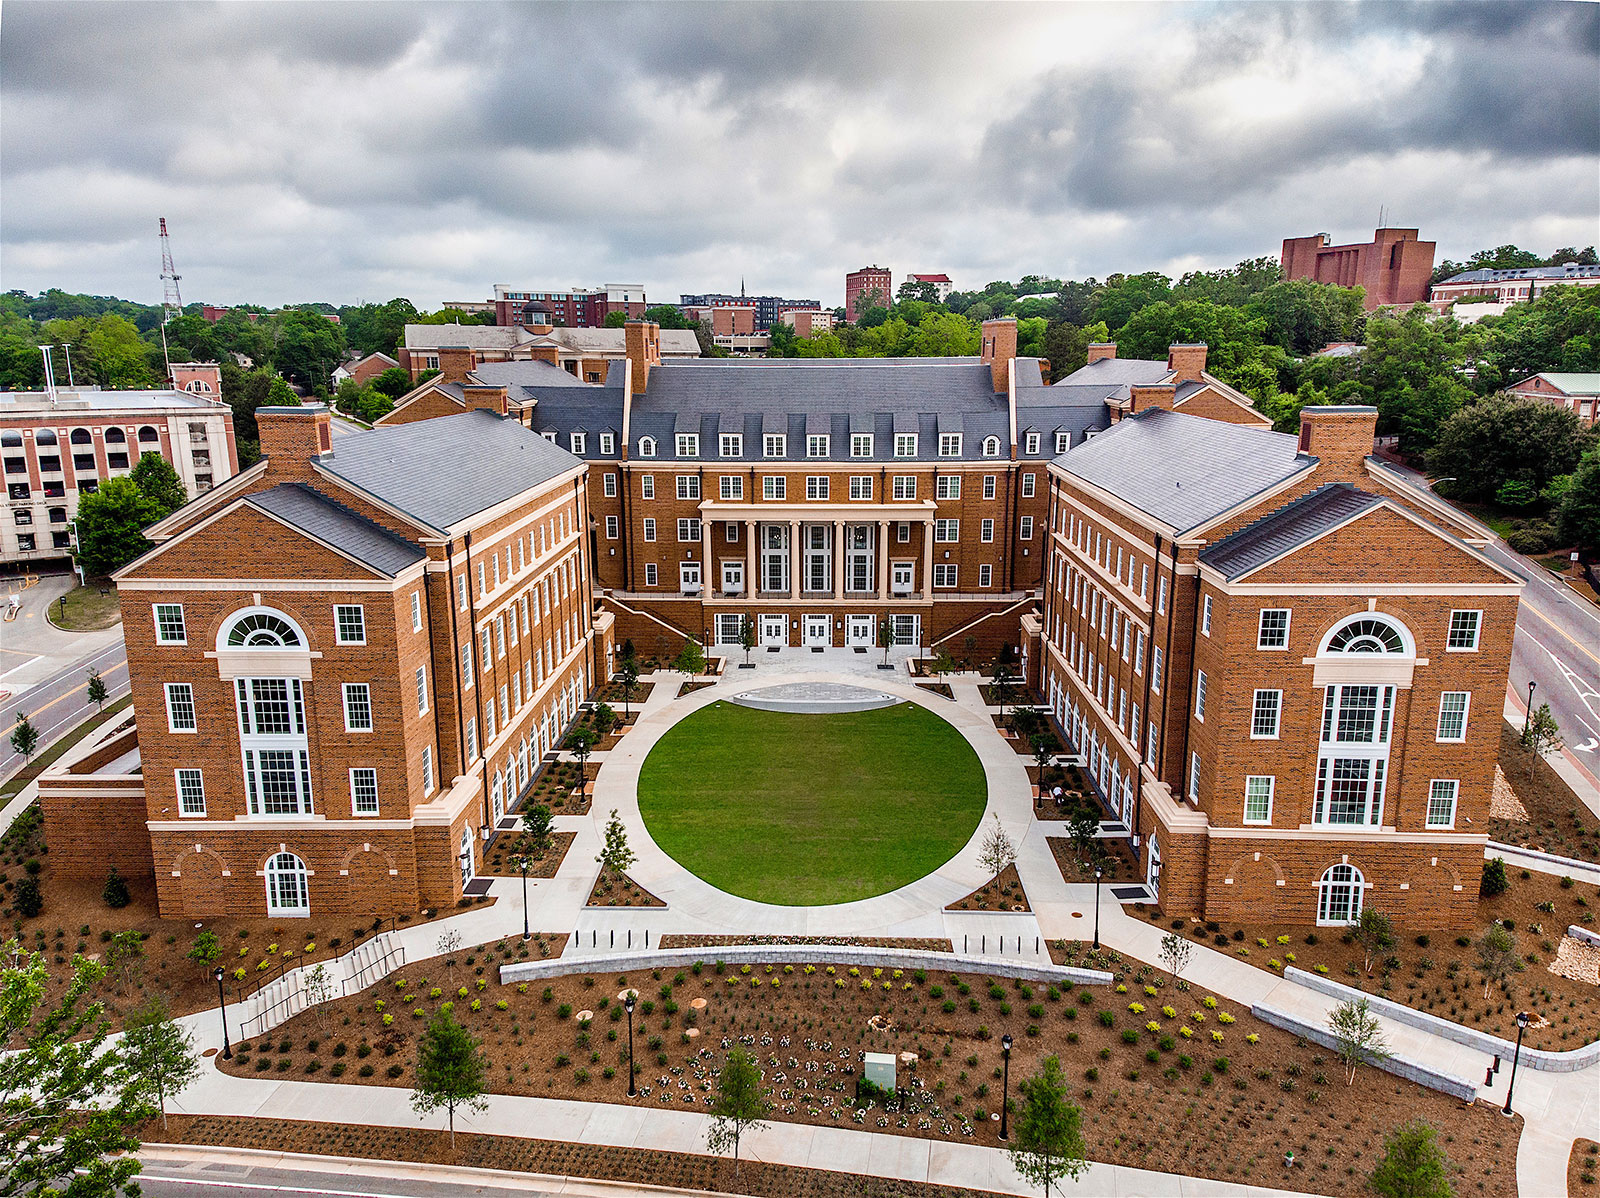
(1286, 529)
(338, 525)
(443, 470)
(1552, 273)
(1184, 470)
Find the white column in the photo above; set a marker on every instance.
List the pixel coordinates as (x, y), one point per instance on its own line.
(926, 582)
(706, 581)
(750, 557)
(838, 559)
(883, 559)
(794, 558)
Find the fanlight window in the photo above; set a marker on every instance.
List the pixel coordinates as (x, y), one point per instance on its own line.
(260, 630)
(1367, 635)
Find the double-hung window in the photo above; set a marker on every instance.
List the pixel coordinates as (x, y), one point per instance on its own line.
(861, 486)
(191, 792)
(986, 530)
(1464, 631)
(180, 707)
(1205, 615)
(816, 486)
(1265, 713)
(350, 624)
(817, 446)
(1273, 630)
(416, 611)
(774, 445)
(861, 445)
(688, 529)
(1453, 715)
(731, 486)
(1442, 802)
(774, 486)
(1027, 486)
(609, 485)
(357, 707)
(1025, 528)
(1353, 761)
(1200, 696)
(647, 486)
(905, 445)
(688, 486)
(905, 486)
(688, 445)
(364, 791)
(422, 690)
(947, 530)
(944, 575)
(1258, 790)
(949, 486)
(649, 528)
(949, 445)
(731, 445)
(169, 624)
(272, 734)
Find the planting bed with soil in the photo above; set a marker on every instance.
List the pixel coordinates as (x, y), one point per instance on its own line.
(918, 944)
(942, 689)
(611, 693)
(1168, 1080)
(1113, 855)
(507, 846)
(689, 688)
(555, 786)
(1433, 971)
(675, 1170)
(1583, 1167)
(1001, 893)
(620, 891)
(1557, 822)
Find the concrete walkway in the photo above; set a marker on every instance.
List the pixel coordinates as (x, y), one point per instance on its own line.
(1556, 1107)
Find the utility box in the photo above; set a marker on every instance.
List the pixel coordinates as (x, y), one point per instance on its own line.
(880, 1070)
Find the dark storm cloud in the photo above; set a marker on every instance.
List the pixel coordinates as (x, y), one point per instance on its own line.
(431, 149)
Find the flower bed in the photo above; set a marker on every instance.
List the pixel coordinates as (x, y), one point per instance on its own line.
(942, 689)
(507, 846)
(620, 891)
(611, 693)
(1116, 860)
(913, 943)
(1001, 893)
(1179, 1082)
(689, 688)
(1557, 822)
(555, 785)
(1583, 1167)
(1433, 971)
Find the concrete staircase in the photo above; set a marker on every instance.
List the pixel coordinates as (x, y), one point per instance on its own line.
(283, 998)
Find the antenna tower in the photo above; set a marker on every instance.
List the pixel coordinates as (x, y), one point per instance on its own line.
(171, 300)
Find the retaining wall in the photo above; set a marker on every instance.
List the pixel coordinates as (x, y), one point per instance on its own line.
(803, 954)
(1533, 1058)
(1583, 870)
(1434, 1079)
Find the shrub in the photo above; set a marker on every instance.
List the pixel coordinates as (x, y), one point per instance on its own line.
(28, 898)
(1494, 878)
(115, 892)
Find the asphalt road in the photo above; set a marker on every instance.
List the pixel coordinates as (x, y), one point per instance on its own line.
(61, 702)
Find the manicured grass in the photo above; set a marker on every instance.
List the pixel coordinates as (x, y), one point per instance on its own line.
(806, 810)
(85, 609)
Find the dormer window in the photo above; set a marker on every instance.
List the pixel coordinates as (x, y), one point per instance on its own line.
(647, 447)
(991, 447)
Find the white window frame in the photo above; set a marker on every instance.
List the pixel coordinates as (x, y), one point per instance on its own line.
(986, 530)
(578, 443)
(774, 445)
(861, 487)
(730, 486)
(1466, 711)
(946, 531)
(363, 691)
(905, 486)
(816, 486)
(1262, 630)
(991, 447)
(985, 575)
(944, 576)
(160, 610)
(650, 574)
(1028, 486)
(1476, 631)
(427, 769)
(948, 487)
(340, 612)
(687, 445)
(608, 449)
(1200, 696)
(730, 445)
(1205, 615)
(422, 690)
(1031, 444)
(1276, 706)
(1252, 783)
(613, 528)
(1194, 778)
(774, 487)
(416, 611)
(356, 807)
(199, 783)
(688, 530)
(817, 445)
(1435, 795)
(688, 486)
(1025, 531)
(949, 445)
(647, 486)
(183, 692)
(649, 528)
(861, 445)
(905, 445)
(608, 485)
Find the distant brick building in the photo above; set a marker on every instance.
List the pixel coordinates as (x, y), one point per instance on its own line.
(941, 284)
(768, 308)
(576, 307)
(583, 352)
(875, 279)
(1394, 266)
(1577, 393)
(1477, 293)
(807, 322)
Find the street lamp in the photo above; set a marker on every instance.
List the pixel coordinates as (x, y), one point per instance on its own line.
(1528, 718)
(1522, 1023)
(1005, 1085)
(1098, 873)
(627, 1005)
(523, 866)
(222, 1003)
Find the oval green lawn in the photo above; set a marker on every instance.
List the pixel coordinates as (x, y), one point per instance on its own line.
(806, 810)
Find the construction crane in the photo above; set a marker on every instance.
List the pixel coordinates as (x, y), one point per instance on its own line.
(171, 300)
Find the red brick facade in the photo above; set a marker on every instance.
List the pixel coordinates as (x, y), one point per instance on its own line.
(1394, 266)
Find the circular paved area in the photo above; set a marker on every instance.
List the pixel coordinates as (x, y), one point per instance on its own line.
(814, 698)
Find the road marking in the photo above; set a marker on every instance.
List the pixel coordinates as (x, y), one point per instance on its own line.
(1552, 624)
(1588, 746)
(83, 686)
(256, 1185)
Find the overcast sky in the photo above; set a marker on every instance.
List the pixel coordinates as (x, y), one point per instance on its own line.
(359, 151)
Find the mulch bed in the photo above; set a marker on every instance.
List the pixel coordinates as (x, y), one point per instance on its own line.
(621, 891)
(1431, 969)
(611, 693)
(1116, 861)
(1583, 1167)
(560, 1158)
(942, 689)
(508, 845)
(1557, 822)
(1209, 1104)
(922, 944)
(1001, 893)
(554, 785)
(689, 688)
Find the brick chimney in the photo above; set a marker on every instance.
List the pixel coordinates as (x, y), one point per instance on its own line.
(1340, 436)
(999, 347)
(455, 363)
(1099, 351)
(545, 353)
(1144, 396)
(643, 340)
(1186, 361)
(480, 395)
(292, 436)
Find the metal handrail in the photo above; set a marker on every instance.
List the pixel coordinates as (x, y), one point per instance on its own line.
(261, 1017)
(360, 975)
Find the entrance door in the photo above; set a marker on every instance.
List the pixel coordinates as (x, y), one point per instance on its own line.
(858, 631)
(733, 578)
(774, 630)
(816, 631)
(1153, 870)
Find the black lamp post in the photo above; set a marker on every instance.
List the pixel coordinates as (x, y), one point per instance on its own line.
(1522, 1023)
(1005, 1085)
(1098, 873)
(627, 1005)
(222, 1003)
(1528, 718)
(523, 865)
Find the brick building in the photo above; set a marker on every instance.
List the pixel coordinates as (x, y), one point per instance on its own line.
(1282, 663)
(576, 307)
(1578, 393)
(1182, 383)
(1490, 292)
(808, 321)
(876, 279)
(942, 285)
(769, 308)
(583, 353)
(347, 664)
(56, 446)
(362, 370)
(1394, 266)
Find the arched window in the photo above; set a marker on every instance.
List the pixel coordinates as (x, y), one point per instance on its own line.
(647, 447)
(258, 628)
(287, 893)
(1366, 634)
(991, 447)
(148, 433)
(80, 436)
(44, 436)
(195, 385)
(1339, 895)
(115, 436)
(11, 440)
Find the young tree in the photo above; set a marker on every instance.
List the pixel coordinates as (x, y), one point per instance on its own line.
(1494, 878)
(691, 658)
(448, 944)
(1047, 1144)
(537, 829)
(747, 637)
(205, 951)
(603, 718)
(740, 1105)
(123, 956)
(319, 992)
(111, 523)
(615, 855)
(1044, 748)
(996, 852)
(968, 645)
(1024, 721)
(1413, 1165)
(627, 678)
(159, 482)
(97, 689)
(24, 737)
(452, 1071)
(1542, 738)
(1084, 830)
(114, 893)
(580, 743)
(1374, 932)
(159, 1051)
(1358, 1038)
(1497, 954)
(28, 898)
(68, 1092)
(1175, 951)
(1004, 684)
(886, 637)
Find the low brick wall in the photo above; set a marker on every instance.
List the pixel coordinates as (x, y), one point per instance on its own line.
(803, 954)
(1533, 1058)
(1424, 1075)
